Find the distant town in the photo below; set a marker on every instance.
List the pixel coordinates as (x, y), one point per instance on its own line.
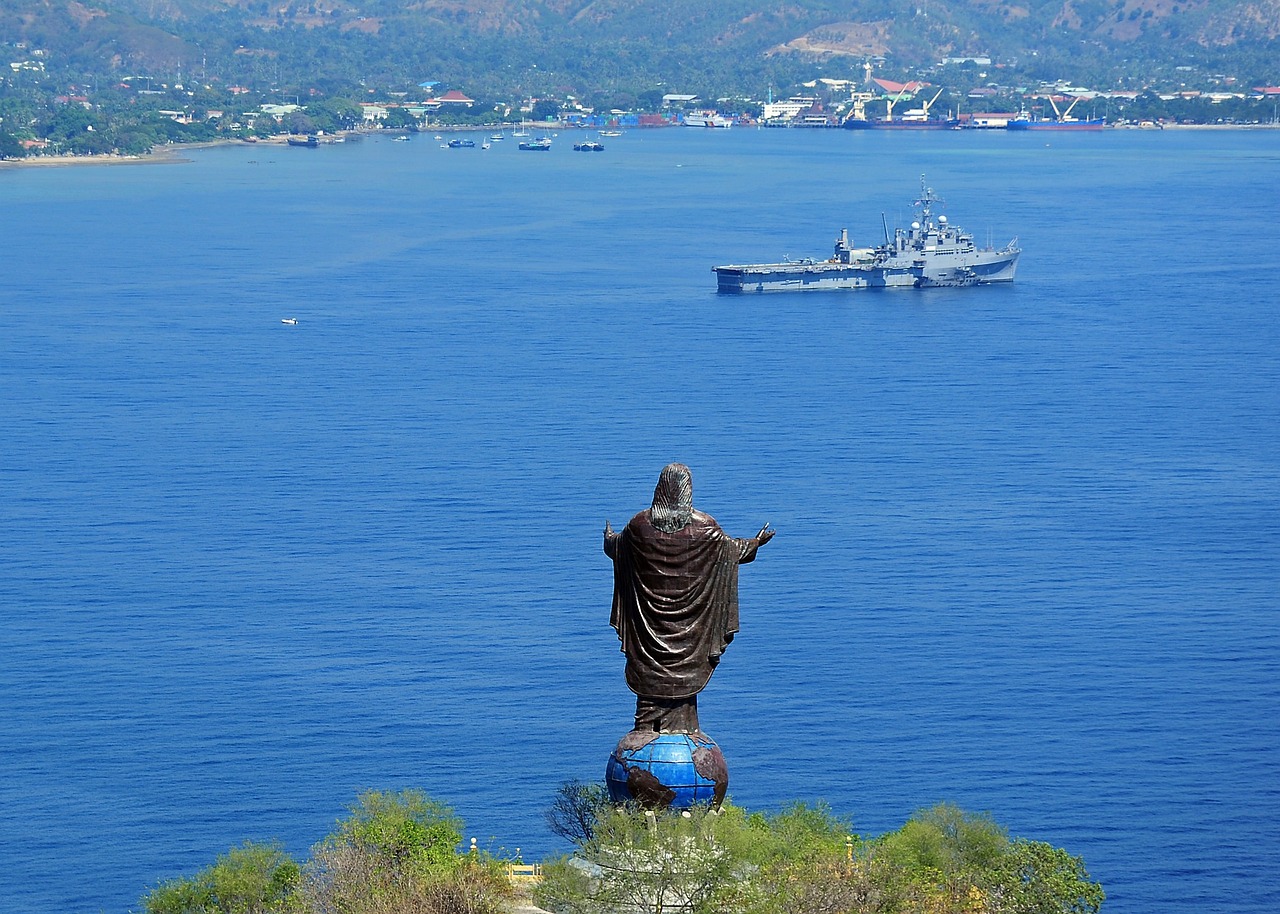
(132, 115)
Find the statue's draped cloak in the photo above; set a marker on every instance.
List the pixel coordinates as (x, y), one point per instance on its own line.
(675, 601)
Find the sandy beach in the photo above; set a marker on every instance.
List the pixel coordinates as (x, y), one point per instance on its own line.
(161, 154)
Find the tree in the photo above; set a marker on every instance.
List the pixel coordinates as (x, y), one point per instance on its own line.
(10, 148)
(942, 861)
(657, 862)
(335, 114)
(546, 110)
(948, 840)
(576, 811)
(405, 831)
(397, 852)
(251, 879)
(1037, 878)
(399, 119)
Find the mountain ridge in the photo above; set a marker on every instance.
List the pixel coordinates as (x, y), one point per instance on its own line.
(725, 46)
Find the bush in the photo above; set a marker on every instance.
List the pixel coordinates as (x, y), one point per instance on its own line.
(405, 832)
(803, 859)
(397, 854)
(252, 879)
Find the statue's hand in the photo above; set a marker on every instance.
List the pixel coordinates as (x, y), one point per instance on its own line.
(608, 529)
(765, 535)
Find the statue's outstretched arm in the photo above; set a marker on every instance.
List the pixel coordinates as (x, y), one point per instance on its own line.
(747, 548)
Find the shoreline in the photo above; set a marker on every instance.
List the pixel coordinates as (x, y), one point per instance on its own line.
(172, 154)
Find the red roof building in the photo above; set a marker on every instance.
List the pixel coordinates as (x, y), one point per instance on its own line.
(454, 97)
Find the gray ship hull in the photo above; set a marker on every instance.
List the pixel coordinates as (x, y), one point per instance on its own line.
(930, 253)
(977, 268)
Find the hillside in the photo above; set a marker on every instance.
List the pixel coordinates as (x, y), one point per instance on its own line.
(706, 46)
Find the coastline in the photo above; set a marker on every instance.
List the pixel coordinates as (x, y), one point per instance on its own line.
(172, 154)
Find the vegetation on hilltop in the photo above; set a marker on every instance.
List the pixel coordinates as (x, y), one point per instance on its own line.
(539, 46)
(398, 852)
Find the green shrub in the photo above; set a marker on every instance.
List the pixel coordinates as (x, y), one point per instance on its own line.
(251, 879)
(803, 859)
(405, 832)
(397, 854)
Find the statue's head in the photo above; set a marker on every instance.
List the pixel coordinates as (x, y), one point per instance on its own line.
(673, 498)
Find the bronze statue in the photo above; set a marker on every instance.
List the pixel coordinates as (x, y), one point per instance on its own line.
(675, 600)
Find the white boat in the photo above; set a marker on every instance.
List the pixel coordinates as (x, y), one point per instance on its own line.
(708, 119)
(291, 321)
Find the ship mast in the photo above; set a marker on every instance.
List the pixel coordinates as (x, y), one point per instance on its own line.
(926, 201)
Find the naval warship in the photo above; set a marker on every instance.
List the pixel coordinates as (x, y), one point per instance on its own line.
(930, 253)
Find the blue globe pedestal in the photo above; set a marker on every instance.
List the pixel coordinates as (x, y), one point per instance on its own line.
(659, 770)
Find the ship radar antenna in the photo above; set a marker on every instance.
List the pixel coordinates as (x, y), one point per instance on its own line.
(926, 201)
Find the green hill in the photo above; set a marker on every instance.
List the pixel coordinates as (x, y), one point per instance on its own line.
(711, 47)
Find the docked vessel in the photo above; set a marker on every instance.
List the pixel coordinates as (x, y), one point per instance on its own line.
(1022, 123)
(708, 119)
(1062, 120)
(931, 253)
(911, 119)
(541, 144)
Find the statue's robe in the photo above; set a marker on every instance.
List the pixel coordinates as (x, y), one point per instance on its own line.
(675, 602)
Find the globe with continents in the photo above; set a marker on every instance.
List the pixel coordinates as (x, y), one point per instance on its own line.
(658, 770)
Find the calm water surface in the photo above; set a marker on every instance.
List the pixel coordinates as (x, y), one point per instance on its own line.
(1029, 548)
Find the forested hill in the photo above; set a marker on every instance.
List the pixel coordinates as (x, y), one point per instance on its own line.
(710, 47)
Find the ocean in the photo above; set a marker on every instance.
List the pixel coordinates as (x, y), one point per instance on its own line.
(1028, 557)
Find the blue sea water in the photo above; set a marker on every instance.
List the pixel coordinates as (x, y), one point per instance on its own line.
(1029, 547)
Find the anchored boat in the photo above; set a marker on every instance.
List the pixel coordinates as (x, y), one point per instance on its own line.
(932, 252)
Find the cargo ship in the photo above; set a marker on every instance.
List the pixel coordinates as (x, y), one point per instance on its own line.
(931, 253)
(911, 119)
(1062, 120)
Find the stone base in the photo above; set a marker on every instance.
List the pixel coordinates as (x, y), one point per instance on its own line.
(659, 770)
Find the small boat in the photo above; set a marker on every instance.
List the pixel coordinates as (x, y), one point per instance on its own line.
(402, 139)
(291, 321)
(462, 144)
(484, 145)
(497, 136)
(588, 146)
(541, 144)
(310, 142)
(611, 133)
